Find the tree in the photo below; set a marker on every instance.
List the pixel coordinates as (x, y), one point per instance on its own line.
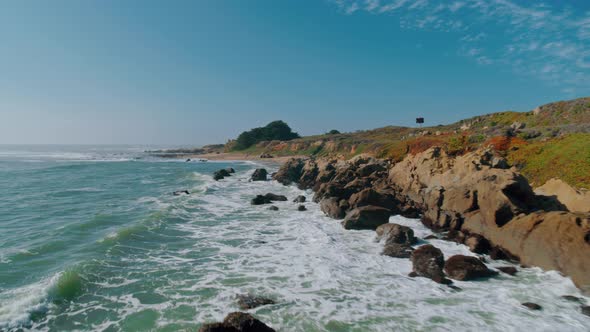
(333, 132)
(276, 130)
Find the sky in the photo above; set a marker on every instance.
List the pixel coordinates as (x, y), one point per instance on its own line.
(199, 72)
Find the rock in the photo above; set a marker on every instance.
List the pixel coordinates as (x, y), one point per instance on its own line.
(247, 301)
(273, 208)
(220, 174)
(431, 237)
(518, 125)
(332, 189)
(572, 298)
(180, 192)
(366, 217)
(478, 244)
(532, 306)
(501, 163)
(259, 200)
(273, 197)
(576, 200)
(266, 155)
(397, 250)
(259, 174)
(237, 322)
(370, 196)
(290, 171)
(369, 169)
(428, 261)
(586, 310)
(188, 160)
(394, 233)
(299, 199)
(460, 267)
(301, 208)
(332, 207)
(511, 270)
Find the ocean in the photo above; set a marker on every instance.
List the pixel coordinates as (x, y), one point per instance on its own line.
(92, 239)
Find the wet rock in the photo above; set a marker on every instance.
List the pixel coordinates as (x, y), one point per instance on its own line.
(572, 298)
(394, 233)
(370, 196)
(299, 199)
(333, 208)
(259, 200)
(511, 270)
(461, 267)
(301, 208)
(273, 208)
(220, 174)
(366, 217)
(428, 261)
(532, 306)
(586, 310)
(259, 174)
(181, 192)
(431, 237)
(266, 155)
(275, 197)
(247, 301)
(237, 322)
(397, 250)
(230, 170)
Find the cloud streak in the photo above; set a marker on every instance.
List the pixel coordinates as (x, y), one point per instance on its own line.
(541, 41)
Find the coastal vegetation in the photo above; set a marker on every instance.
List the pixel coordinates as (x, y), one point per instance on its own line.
(276, 130)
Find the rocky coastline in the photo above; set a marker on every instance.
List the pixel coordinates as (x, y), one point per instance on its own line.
(475, 199)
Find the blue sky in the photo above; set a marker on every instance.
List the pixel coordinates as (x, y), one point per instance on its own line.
(197, 72)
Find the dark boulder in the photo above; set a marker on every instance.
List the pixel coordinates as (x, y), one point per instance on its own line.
(478, 244)
(237, 322)
(299, 199)
(370, 196)
(369, 169)
(301, 208)
(397, 250)
(247, 301)
(511, 270)
(586, 310)
(334, 208)
(274, 197)
(332, 189)
(230, 170)
(431, 237)
(220, 174)
(259, 200)
(180, 192)
(461, 267)
(428, 261)
(532, 306)
(572, 298)
(260, 174)
(366, 217)
(266, 155)
(273, 208)
(394, 233)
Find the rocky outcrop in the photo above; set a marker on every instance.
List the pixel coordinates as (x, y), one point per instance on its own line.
(260, 174)
(220, 174)
(576, 200)
(366, 217)
(397, 250)
(299, 199)
(476, 199)
(237, 322)
(267, 199)
(461, 267)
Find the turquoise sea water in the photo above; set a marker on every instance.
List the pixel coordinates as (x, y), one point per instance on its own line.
(91, 239)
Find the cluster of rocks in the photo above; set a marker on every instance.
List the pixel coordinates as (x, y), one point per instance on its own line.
(270, 197)
(266, 155)
(222, 173)
(475, 199)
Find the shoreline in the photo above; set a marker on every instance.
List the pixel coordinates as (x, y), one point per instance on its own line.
(237, 156)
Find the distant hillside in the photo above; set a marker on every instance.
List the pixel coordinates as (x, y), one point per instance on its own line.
(552, 140)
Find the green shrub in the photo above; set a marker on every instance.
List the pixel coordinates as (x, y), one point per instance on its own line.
(276, 130)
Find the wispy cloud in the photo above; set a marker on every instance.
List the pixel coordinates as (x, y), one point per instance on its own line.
(545, 42)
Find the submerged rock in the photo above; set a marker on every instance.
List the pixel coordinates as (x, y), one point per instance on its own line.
(366, 217)
(572, 298)
(532, 306)
(260, 174)
(511, 270)
(220, 174)
(461, 267)
(586, 310)
(275, 197)
(247, 301)
(301, 208)
(428, 261)
(230, 170)
(180, 192)
(273, 208)
(259, 200)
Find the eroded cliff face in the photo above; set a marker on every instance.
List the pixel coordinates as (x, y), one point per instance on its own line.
(476, 198)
